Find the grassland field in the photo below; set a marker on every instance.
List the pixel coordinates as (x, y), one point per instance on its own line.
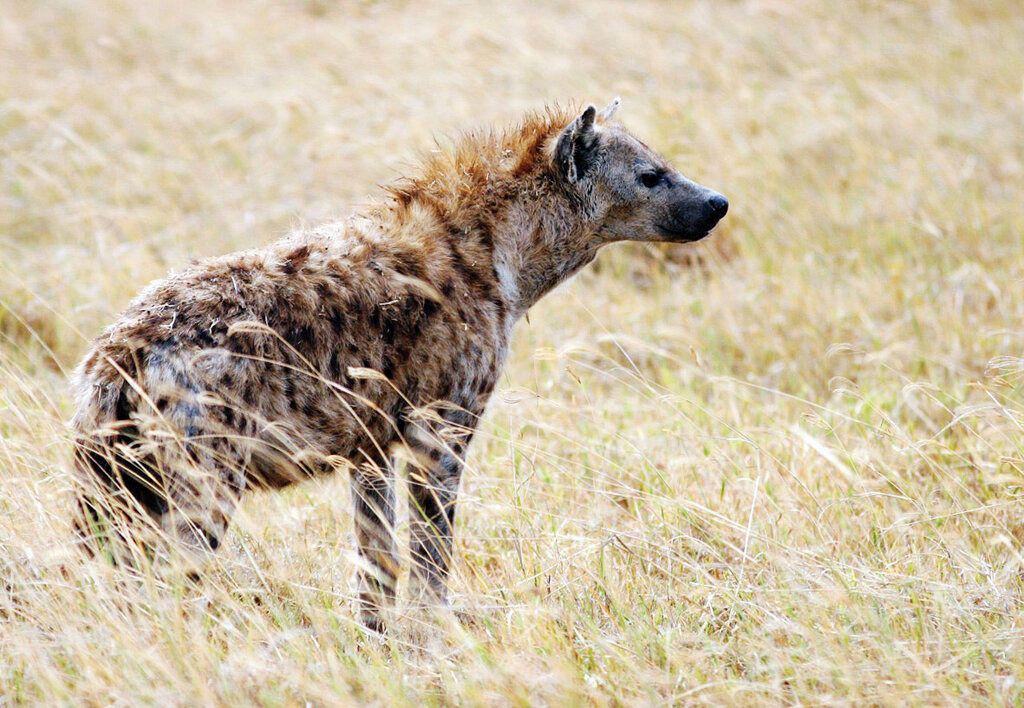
(784, 466)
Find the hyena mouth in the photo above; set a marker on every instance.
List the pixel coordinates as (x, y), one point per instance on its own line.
(684, 235)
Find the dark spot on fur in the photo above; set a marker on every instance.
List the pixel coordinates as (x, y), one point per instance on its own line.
(468, 275)
(387, 367)
(301, 337)
(338, 320)
(388, 331)
(189, 410)
(430, 307)
(334, 366)
(483, 232)
(408, 264)
(360, 308)
(184, 383)
(295, 260)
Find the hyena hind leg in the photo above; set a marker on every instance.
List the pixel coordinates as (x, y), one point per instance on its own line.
(171, 503)
(373, 500)
(119, 494)
(201, 499)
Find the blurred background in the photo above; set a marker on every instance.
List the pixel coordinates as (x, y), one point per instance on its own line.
(139, 135)
(784, 464)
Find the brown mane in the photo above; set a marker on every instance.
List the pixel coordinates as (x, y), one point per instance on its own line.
(481, 155)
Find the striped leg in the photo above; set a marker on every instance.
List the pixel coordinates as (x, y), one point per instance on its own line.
(433, 490)
(373, 496)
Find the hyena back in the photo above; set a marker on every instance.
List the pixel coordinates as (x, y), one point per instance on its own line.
(338, 347)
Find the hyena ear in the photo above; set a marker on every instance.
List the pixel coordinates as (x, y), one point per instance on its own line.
(608, 111)
(577, 146)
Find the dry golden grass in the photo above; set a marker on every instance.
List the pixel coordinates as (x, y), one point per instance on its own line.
(794, 475)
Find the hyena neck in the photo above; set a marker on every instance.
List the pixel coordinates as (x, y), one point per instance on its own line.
(541, 243)
(498, 194)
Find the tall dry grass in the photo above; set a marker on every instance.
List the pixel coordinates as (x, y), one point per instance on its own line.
(790, 475)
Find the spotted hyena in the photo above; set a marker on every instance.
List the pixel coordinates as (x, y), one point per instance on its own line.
(351, 344)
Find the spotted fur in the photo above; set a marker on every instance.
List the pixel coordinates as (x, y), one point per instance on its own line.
(339, 347)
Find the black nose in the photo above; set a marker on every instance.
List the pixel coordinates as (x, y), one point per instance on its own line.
(718, 205)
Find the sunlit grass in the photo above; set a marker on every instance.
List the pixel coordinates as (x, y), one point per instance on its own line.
(792, 473)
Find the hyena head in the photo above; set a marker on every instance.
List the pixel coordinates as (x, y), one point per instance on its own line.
(632, 193)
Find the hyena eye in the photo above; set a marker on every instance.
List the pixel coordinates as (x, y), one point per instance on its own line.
(650, 179)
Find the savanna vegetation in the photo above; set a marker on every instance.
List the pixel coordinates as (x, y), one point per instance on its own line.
(783, 466)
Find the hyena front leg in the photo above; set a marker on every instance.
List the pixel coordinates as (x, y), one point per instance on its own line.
(433, 490)
(373, 498)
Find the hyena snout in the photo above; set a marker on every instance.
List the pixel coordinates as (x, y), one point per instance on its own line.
(693, 214)
(716, 206)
